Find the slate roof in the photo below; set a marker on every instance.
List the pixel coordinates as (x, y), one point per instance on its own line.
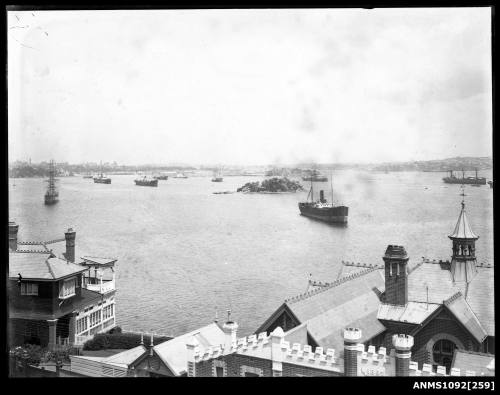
(173, 352)
(462, 311)
(479, 293)
(126, 358)
(413, 312)
(40, 266)
(94, 260)
(474, 361)
(462, 228)
(350, 301)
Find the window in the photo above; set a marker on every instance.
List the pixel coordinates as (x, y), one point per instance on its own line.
(95, 318)
(67, 288)
(219, 371)
(442, 352)
(29, 289)
(81, 325)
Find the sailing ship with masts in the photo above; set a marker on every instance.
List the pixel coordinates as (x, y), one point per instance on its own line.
(101, 179)
(217, 176)
(321, 209)
(52, 195)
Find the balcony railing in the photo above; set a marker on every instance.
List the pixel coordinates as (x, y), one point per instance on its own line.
(104, 287)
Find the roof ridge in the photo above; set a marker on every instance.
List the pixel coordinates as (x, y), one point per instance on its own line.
(452, 298)
(50, 269)
(337, 282)
(485, 354)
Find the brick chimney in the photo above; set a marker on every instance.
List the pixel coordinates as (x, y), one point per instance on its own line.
(351, 338)
(70, 237)
(13, 228)
(403, 345)
(396, 275)
(230, 329)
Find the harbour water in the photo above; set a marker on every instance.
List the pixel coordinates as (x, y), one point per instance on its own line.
(184, 253)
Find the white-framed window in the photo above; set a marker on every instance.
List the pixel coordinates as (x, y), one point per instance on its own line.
(81, 325)
(29, 289)
(95, 318)
(67, 288)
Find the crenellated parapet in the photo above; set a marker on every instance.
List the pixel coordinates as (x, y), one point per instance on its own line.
(375, 362)
(427, 370)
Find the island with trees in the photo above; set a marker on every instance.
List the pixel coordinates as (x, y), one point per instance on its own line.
(271, 185)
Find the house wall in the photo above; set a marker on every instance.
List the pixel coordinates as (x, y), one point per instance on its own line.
(151, 366)
(22, 330)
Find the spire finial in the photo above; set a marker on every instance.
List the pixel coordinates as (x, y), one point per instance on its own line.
(463, 195)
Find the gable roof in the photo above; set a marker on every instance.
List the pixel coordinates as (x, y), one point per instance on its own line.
(480, 363)
(433, 283)
(173, 352)
(350, 301)
(459, 307)
(40, 266)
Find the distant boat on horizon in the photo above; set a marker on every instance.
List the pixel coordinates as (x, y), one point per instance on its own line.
(101, 179)
(452, 179)
(146, 182)
(180, 175)
(217, 177)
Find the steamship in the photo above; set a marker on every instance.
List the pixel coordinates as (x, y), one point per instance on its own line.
(452, 179)
(322, 210)
(101, 179)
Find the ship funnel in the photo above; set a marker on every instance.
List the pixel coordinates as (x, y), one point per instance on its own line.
(322, 196)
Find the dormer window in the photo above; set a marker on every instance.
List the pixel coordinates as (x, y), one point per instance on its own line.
(29, 289)
(67, 288)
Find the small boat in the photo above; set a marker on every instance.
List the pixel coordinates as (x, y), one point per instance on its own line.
(490, 183)
(101, 179)
(223, 192)
(88, 175)
(180, 175)
(51, 196)
(146, 182)
(161, 177)
(322, 210)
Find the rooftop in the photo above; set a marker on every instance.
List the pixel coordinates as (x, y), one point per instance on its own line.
(462, 228)
(173, 352)
(481, 363)
(40, 266)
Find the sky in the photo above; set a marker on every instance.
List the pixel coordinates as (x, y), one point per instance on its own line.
(249, 87)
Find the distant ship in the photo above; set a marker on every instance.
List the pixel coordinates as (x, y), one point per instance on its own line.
(101, 179)
(88, 175)
(323, 210)
(490, 183)
(315, 176)
(217, 177)
(180, 175)
(161, 177)
(452, 179)
(146, 182)
(51, 196)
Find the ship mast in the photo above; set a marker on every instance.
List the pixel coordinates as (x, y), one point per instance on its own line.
(331, 185)
(51, 190)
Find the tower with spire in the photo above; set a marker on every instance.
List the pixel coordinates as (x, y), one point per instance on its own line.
(463, 260)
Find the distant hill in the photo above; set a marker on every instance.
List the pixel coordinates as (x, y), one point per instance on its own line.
(442, 165)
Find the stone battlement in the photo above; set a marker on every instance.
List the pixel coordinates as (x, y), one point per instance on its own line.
(402, 342)
(440, 371)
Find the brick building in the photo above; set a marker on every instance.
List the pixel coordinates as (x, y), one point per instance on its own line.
(444, 305)
(54, 299)
(270, 355)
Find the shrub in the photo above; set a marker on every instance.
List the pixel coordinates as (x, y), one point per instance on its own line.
(119, 341)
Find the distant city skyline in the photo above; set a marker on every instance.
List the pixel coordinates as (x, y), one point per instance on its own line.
(249, 87)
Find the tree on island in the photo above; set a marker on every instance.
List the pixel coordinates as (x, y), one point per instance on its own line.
(274, 184)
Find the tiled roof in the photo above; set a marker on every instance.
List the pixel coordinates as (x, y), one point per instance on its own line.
(462, 228)
(40, 266)
(173, 352)
(413, 312)
(348, 302)
(462, 311)
(474, 361)
(437, 279)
